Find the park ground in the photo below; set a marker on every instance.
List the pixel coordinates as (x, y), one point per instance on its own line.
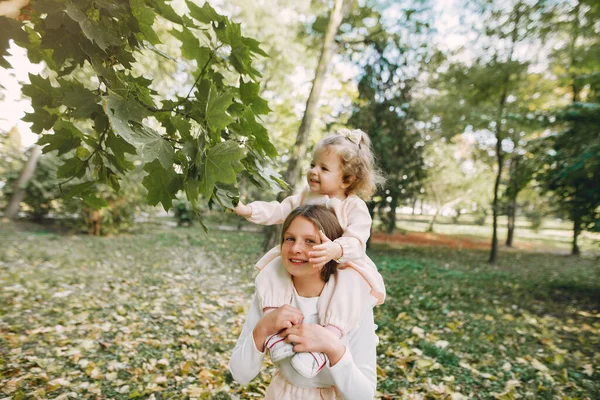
(155, 314)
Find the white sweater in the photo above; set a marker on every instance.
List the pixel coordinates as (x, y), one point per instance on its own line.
(354, 375)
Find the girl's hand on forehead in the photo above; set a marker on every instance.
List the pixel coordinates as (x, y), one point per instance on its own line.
(322, 253)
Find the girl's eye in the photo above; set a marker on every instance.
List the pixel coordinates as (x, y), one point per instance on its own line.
(310, 241)
(289, 239)
(325, 169)
(312, 165)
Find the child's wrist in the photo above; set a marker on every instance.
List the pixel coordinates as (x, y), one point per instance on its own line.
(341, 252)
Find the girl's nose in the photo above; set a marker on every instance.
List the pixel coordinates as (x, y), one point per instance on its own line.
(297, 247)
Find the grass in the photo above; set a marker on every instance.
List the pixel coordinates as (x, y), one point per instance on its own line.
(157, 314)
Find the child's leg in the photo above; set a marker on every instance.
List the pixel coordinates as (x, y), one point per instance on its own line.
(343, 300)
(335, 330)
(339, 307)
(275, 288)
(274, 285)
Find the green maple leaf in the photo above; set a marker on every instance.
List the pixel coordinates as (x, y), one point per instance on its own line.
(92, 30)
(261, 174)
(219, 166)
(41, 120)
(226, 195)
(66, 137)
(153, 146)
(217, 117)
(91, 200)
(249, 127)
(249, 94)
(120, 112)
(192, 190)
(118, 146)
(191, 48)
(253, 46)
(71, 167)
(11, 29)
(205, 14)
(145, 17)
(40, 90)
(84, 101)
(150, 143)
(78, 189)
(162, 184)
(165, 11)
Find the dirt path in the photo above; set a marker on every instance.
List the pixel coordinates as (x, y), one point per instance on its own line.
(430, 239)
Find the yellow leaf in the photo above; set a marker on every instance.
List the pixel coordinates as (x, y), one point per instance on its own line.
(400, 316)
(423, 363)
(588, 369)
(559, 359)
(186, 368)
(96, 374)
(538, 365)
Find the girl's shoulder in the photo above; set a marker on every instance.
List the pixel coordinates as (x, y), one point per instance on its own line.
(354, 199)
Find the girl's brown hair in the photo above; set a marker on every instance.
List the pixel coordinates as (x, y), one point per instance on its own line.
(358, 163)
(324, 220)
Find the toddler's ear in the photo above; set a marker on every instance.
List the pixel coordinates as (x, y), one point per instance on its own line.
(348, 180)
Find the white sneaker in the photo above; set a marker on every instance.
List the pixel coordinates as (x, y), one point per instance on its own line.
(278, 348)
(309, 364)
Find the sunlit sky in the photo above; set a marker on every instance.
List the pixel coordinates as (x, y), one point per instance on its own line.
(14, 106)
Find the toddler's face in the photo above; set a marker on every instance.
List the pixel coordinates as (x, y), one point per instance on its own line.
(325, 175)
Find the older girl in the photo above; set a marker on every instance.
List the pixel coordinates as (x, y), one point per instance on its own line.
(350, 372)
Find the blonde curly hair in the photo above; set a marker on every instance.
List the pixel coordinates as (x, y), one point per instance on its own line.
(358, 164)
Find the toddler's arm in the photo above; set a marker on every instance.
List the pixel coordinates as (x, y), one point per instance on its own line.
(268, 213)
(357, 232)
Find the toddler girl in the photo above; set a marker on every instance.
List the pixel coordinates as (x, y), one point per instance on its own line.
(342, 169)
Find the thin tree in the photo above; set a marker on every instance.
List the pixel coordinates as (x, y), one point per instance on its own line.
(292, 173)
(12, 210)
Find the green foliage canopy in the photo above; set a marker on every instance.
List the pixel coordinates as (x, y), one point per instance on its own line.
(196, 142)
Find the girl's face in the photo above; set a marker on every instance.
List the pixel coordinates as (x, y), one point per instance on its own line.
(298, 241)
(325, 175)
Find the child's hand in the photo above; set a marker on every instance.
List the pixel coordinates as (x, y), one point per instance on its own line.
(322, 253)
(242, 210)
(284, 317)
(312, 337)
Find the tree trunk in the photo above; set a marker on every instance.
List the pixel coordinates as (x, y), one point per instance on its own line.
(438, 206)
(292, 172)
(371, 206)
(392, 214)
(499, 155)
(291, 175)
(512, 200)
(495, 211)
(512, 206)
(576, 231)
(430, 227)
(414, 205)
(12, 210)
